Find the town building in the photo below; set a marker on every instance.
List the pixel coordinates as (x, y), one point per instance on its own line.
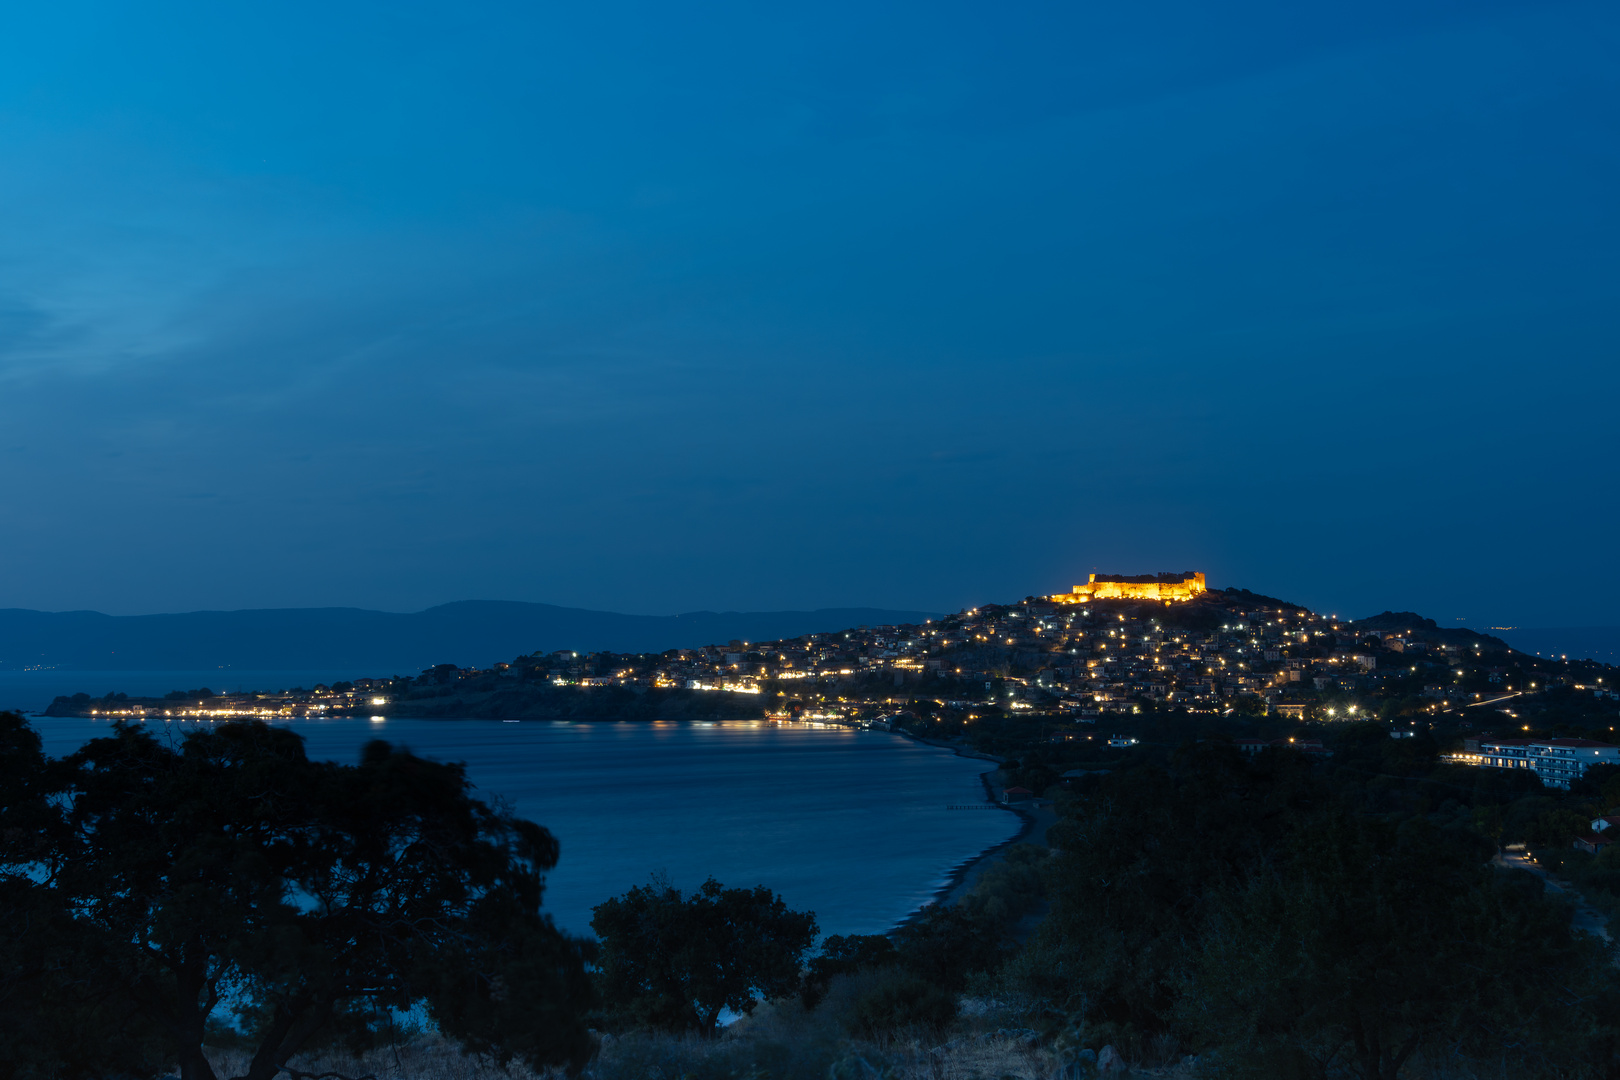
(1556, 761)
(1253, 746)
(1600, 837)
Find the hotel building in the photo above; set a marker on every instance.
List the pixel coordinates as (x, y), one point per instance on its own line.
(1556, 761)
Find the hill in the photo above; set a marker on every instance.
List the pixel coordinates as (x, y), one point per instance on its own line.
(1600, 643)
(1419, 628)
(470, 633)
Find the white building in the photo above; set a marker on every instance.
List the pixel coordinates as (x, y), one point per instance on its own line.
(1555, 761)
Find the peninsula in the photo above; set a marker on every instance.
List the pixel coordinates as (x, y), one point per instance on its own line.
(1115, 662)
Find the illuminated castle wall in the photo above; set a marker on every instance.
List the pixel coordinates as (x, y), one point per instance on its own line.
(1166, 587)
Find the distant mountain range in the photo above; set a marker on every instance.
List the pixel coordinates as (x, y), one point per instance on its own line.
(473, 633)
(478, 633)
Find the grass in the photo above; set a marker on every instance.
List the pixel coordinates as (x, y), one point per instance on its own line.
(781, 1041)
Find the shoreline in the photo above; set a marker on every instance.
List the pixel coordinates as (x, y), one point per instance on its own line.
(958, 875)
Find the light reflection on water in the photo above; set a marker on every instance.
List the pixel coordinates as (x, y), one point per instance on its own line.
(851, 825)
(32, 691)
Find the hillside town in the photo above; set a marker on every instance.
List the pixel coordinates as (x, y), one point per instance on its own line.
(1099, 665)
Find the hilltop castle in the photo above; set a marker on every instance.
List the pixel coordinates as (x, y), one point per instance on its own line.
(1166, 587)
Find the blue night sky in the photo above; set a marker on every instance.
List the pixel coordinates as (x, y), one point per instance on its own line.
(658, 307)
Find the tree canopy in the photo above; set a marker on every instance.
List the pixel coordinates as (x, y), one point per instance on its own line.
(231, 874)
(1252, 911)
(675, 961)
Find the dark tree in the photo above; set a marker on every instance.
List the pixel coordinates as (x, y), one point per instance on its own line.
(1252, 912)
(56, 1019)
(675, 962)
(1365, 943)
(311, 896)
(947, 943)
(845, 955)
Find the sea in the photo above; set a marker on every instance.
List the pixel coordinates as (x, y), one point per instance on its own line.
(861, 827)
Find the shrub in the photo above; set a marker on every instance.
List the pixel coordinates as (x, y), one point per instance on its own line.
(890, 1002)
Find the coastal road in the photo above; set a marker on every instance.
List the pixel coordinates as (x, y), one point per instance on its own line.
(1585, 916)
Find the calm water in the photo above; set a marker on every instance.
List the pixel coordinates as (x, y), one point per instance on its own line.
(851, 825)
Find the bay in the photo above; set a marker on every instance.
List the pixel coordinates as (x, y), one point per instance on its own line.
(853, 825)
